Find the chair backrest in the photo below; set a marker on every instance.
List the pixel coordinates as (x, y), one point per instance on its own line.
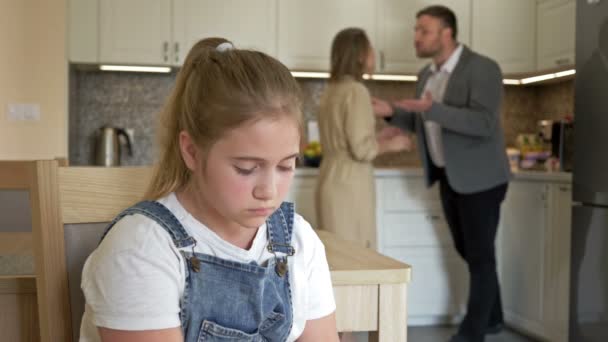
(89, 198)
(70, 207)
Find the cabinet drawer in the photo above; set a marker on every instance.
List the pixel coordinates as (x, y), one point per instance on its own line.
(408, 194)
(424, 228)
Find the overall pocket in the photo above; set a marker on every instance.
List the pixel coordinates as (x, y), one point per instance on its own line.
(213, 332)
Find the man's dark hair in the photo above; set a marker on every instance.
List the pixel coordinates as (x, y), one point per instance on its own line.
(446, 15)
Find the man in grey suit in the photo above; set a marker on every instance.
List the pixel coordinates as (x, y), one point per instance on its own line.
(461, 143)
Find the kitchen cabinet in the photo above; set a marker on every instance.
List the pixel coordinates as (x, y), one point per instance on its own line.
(555, 34)
(557, 290)
(83, 33)
(504, 31)
(302, 194)
(396, 21)
(534, 258)
(522, 260)
(135, 32)
(249, 24)
(307, 28)
(411, 228)
(161, 32)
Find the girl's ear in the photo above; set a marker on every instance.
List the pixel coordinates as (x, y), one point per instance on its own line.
(189, 150)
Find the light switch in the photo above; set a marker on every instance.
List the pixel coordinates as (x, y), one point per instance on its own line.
(13, 112)
(31, 112)
(23, 112)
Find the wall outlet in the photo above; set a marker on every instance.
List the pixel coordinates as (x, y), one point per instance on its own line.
(23, 112)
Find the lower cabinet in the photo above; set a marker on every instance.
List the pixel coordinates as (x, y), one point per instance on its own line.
(411, 228)
(302, 194)
(533, 250)
(534, 258)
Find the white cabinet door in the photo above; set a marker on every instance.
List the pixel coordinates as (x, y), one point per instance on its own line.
(83, 37)
(396, 21)
(555, 34)
(302, 194)
(504, 31)
(557, 282)
(439, 287)
(523, 247)
(135, 31)
(249, 24)
(307, 28)
(411, 228)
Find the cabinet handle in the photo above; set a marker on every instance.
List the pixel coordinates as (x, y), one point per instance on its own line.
(176, 52)
(564, 189)
(166, 51)
(382, 60)
(544, 195)
(433, 217)
(562, 61)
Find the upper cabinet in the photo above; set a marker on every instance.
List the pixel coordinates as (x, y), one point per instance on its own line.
(504, 31)
(83, 32)
(396, 21)
(521, 35)
(249, 24)
(135, 31)
(307, 28)
(555, 33)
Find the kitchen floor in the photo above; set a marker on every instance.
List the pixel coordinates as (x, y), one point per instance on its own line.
(443, 333)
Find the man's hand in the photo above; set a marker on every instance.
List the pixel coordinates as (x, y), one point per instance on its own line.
(388, 132)
(381, 108)
(416, 105)
(400, 142)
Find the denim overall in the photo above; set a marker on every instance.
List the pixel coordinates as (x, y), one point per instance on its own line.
(226, 300)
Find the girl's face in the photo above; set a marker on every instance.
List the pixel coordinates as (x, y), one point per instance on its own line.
(247, 173)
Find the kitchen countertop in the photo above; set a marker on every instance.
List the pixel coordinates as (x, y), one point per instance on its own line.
(562, 177)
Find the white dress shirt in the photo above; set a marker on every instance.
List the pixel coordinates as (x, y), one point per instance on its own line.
(436, 85)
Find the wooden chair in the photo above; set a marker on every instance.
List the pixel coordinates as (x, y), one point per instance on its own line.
(70, 208)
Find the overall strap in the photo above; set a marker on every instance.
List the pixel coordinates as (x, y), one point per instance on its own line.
(280, 228)
(161, 215)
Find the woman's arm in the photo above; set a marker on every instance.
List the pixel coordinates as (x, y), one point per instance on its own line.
(161, 335)
(321, 329)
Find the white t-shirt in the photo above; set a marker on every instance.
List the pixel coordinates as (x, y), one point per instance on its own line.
(134, 280)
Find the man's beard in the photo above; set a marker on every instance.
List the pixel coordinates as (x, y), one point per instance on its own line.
(430, 53)
(427, 54)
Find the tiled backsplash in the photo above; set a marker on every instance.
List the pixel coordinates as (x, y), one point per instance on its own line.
(134, 100)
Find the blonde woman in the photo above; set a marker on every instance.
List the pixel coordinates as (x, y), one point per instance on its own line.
(345, 191)
(214, 254)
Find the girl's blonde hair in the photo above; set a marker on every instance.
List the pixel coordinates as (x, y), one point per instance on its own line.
(348, 53)
(217, 91)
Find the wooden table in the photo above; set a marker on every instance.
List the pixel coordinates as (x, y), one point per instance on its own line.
(370, 290)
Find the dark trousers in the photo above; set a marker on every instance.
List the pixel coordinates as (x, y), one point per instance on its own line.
(473, 221)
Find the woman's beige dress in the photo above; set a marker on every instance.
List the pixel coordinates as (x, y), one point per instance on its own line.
(346, 195)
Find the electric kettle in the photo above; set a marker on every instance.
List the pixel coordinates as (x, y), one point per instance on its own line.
(108, 145)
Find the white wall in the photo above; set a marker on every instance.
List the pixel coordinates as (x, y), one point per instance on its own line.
(34, 69)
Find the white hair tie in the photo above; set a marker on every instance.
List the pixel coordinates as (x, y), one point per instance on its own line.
(225, 46)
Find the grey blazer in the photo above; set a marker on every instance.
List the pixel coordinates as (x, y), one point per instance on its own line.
(473, 139)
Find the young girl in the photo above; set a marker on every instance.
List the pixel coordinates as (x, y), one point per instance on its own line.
(215, 254)
(350, 143)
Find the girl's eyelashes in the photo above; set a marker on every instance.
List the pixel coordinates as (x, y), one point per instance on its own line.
(249, 171)
(285, 168)
(244, 171)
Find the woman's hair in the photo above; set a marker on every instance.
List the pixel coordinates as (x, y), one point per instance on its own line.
(219, 89)
(349, 51)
